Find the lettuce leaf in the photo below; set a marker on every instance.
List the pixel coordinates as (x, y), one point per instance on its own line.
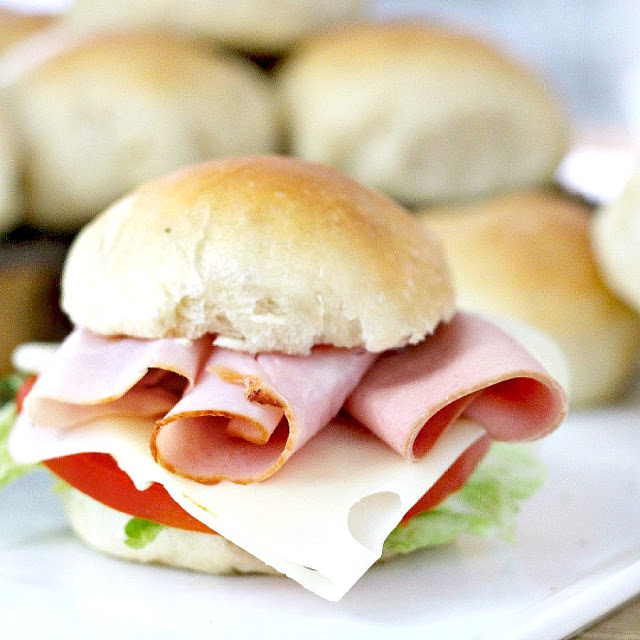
(486, 506)
(140, 532)
(9, 386)
(9, 469)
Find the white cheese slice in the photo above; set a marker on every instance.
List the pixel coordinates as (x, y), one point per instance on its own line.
(321, 520)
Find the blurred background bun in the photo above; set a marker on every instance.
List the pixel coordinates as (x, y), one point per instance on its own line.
(425, 114)
(11, 212)
(528, 256)
(616, 237)
(257, 26)
(15, 26)
(99, 114)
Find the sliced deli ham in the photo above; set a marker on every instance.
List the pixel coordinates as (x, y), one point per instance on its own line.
(468, 367)
(94, 376)
(248, 414)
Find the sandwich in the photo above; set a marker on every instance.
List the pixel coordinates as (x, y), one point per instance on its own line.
(268, 374)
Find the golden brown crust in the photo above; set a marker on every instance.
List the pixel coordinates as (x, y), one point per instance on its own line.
(421, 112)
(528, 255)
(270, 252)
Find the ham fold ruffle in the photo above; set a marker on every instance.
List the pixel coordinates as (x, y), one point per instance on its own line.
(468, 367)
(94, 376)
(223, 414)
(264, 409)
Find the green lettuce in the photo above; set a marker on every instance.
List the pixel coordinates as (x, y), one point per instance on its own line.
(140, 532)
(486, 506)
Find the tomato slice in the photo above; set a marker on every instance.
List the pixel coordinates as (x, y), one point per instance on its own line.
(99, 476)
(452, 480)
(23, 391)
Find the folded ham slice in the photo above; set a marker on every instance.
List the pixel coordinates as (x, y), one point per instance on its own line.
(248, 414)
(223, 414)
(93, 376)
(469, 366)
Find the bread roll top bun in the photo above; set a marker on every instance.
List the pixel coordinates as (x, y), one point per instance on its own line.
(616, 236)
(528, 256)
(100, 114)
(270, 253)
(420, 112)
(262, 27)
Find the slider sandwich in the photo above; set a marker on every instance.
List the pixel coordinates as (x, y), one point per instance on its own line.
(267, 371)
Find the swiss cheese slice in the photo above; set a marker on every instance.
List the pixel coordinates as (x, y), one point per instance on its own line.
(322, 520)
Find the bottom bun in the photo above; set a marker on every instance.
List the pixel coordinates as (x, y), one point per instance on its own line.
(102, 528)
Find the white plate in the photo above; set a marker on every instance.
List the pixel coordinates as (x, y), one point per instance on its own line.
(577, 557)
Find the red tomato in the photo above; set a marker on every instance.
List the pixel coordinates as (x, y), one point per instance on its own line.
(99, 476)
(23, 391)
(452, 479)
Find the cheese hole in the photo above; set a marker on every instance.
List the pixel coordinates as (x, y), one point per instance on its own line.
(371, 518)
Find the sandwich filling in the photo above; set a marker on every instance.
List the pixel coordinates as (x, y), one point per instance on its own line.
(342, 444)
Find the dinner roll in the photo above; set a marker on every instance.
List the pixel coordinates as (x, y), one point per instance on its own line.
(616, 237)
(425, 114)
(15, 27)
(265, 27)
(100, 114)
(528, 256)
(267, 252)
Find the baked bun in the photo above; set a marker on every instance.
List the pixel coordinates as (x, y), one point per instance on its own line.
(15, 27)
(268, 252)
(103, 529)
(616, 238)
(11, 196)
(422, 113)
(528, 256)
(101, 114)
(264, 27)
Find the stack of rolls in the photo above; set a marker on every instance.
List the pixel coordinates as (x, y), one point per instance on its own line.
(114, 94)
